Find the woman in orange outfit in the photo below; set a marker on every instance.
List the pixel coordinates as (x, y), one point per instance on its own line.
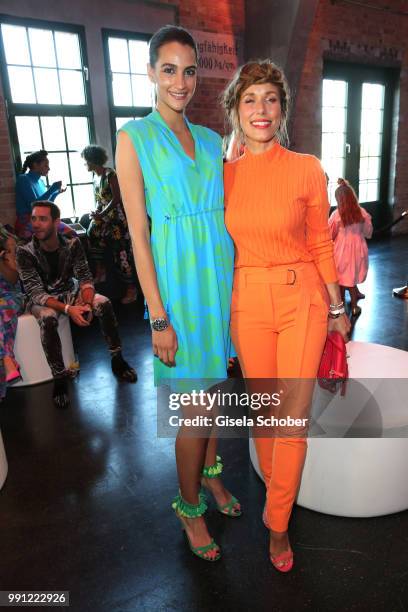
(285, 281)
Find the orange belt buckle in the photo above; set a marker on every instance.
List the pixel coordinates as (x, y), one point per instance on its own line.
(294, 277)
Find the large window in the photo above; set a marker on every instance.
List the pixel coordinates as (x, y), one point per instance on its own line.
(45, 80)
(334, 115)
(371, 135)
(130, 92)
(356, 131)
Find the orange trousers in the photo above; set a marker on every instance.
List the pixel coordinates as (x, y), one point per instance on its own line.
(279, 328)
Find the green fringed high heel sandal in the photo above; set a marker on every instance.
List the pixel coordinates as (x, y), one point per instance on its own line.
(185, 510)
(215, 471)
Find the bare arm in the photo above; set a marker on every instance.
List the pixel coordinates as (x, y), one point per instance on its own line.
(132, 189)
(342, 324)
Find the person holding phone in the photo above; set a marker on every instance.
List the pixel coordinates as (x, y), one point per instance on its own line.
(57, 280)
(31, 188)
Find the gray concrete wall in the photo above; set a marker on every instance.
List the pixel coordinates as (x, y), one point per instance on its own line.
(280, 29)
(269, 27)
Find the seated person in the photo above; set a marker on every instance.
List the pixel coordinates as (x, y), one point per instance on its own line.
(11, 302)
(108, 226)
(31, 188)
(56, 277)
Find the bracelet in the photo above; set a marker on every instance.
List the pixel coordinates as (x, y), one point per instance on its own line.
(66, 309)
(336, 306)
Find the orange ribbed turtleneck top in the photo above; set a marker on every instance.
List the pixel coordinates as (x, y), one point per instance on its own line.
(277, 210)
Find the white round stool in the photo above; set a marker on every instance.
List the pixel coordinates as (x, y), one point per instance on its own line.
(359, 476)
(29, 352)
(3, 463)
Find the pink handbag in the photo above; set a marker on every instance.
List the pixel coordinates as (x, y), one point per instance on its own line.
(333, 367)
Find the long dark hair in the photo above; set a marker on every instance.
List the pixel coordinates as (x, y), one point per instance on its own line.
(168, 34)
(34, 158)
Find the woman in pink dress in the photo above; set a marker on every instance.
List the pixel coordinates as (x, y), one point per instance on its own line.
(350, 225)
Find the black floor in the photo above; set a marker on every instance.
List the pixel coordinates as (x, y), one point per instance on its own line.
(86, 506)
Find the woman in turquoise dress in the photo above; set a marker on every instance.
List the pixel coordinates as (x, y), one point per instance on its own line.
(171, 172)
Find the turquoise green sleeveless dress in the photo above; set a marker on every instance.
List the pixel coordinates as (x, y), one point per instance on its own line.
(192, 251)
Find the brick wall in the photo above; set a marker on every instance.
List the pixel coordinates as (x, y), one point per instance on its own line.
(223, 16)
(353, 33)
(7, 207)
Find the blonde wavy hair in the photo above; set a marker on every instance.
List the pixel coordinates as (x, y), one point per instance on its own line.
(256, 73)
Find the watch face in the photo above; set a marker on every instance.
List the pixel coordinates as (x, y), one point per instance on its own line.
(160, 324)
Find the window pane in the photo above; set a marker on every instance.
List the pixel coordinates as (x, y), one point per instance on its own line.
(369, 191)
(29, 136)
(375, 144)
(142, 91)
(374, 167)
(79, 172)
(139, 56)
(364, 168)
(331, 188)
(334, 119)
(21, 85)
(58, 168)
(84, 198)
(370, 144)
(334, 114)
(334, 93)
(72, 87)
(372, 117)
(334, 167)
(369, 168)
(46, 85)
(15, 44)
(122, 93)
(333, 145)
(362, 192)
(42, 47)
(372, 191)
(68, 52)
(53, 133)
(77, 132)
(373, 96)
(118, 55)
(121, 121)
(65, 203)
(371, 120)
